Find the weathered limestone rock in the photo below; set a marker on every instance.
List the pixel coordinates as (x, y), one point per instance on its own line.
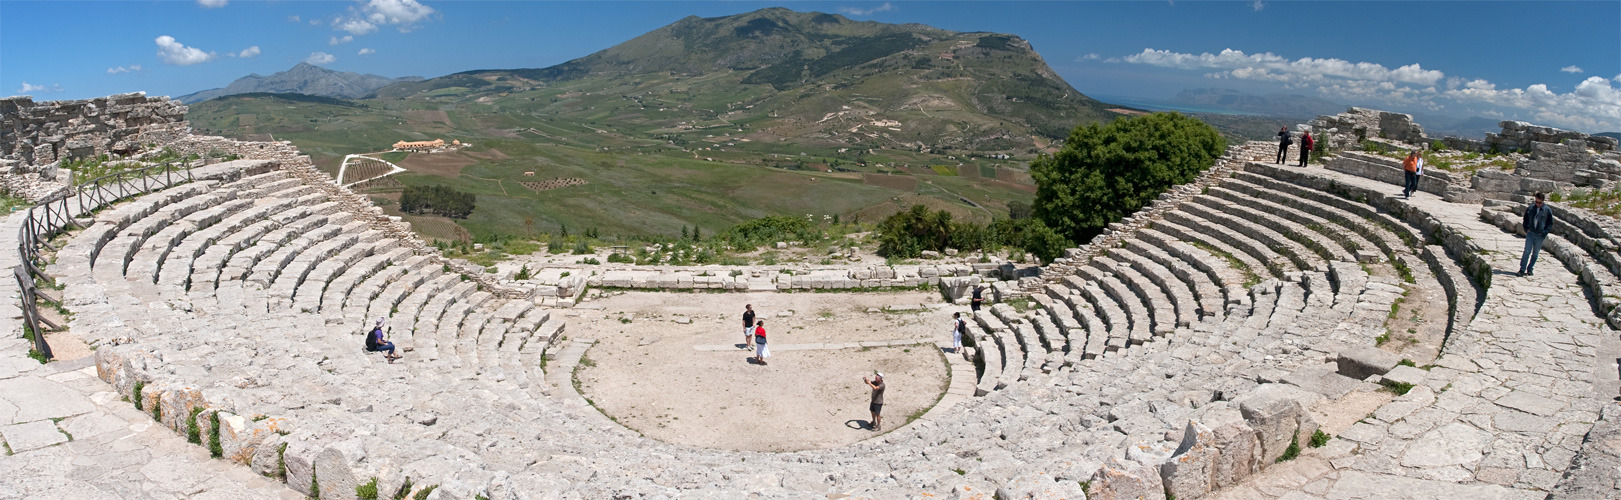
(1361, 361)
(1278, 414)
(1238, 443)
(1040, 486)
(1191, 470)
(1124, 479)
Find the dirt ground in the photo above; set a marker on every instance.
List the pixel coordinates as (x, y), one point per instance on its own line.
(647, 374)
(440, 164)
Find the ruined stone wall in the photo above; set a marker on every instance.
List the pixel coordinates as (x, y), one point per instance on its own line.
(1521, 135)
(209, 145)
(1347, 130)
(40, 133)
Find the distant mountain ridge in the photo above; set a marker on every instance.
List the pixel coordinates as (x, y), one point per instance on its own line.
(882, 68)
(1287, 105)
(304, 78)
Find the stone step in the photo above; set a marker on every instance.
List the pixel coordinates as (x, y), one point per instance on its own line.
(1160, 310)
(1136, 316)
(1208, 298)
(1258, 236)
(1116, 332)
(1179, 293)
(177, 269)
(1249, 268)
(385, 255)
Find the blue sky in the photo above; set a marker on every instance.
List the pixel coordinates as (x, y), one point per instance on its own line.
(1555, 63)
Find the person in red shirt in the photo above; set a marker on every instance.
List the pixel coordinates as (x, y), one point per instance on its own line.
(760, 350)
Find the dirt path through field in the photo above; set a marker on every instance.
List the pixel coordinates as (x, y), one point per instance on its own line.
(669, 374)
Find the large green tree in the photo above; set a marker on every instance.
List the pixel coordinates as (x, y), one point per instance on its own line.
(1105, 172)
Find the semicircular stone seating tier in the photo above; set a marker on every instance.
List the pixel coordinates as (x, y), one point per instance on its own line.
(1184, 353)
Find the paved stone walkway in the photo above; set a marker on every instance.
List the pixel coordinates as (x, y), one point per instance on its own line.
(1502, 414)
(68, 435)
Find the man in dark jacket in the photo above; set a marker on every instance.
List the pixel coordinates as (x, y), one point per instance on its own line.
(1284, 141)
(1537, 222)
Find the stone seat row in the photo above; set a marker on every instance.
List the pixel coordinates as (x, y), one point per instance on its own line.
(250, 258)
(1219, 358)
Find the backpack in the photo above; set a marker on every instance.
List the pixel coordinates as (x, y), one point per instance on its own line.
(372, 337)
(962, 327)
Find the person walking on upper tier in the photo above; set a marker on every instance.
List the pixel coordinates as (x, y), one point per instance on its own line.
(748, 326)
(1537, 222)
(1306, 145)
(877, 405)
(1284, 141)
(978, 298)
(958, 328)
(1410, 166)
(760, 350)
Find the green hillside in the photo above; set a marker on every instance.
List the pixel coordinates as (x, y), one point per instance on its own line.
(708, 122)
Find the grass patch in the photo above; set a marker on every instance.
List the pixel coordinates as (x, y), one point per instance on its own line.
(1394, 387)
(194, 432)
(1319, 438)
(1402, 270)
(214, 448)
(1381, 339)
(1291, 452)
(1250, 278)
(367, 491)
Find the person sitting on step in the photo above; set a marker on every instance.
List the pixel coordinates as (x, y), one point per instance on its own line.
(377, 342)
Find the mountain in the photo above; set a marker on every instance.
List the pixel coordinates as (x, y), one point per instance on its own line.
(706, 122)
(812, 64)
(305, 78)
(1287, 105)
(1473, 127)
(1612, 135)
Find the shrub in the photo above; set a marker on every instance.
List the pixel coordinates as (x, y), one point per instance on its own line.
(1319, 438)
(582, 247)
(1105, 172)
(437, 200)
(367, 491)
(194, 432)
(616, 258)
(523, 273)
(1291, 452)
(770, 229)
(214, 448)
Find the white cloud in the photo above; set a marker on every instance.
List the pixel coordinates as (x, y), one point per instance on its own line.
(1090, 56)
(1594, 104)
(173, 52)
(397, 12)
(133, 68)
(211, 4)
(320, 58)
(372, 14)
(315, 22)
(354, 26)
(29, 89)
(1269, 66)
(294, 18)
(1571, 69)
(1257, 5)
(337, 41)
(857, 11)
(366, 52)
(249, 52)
